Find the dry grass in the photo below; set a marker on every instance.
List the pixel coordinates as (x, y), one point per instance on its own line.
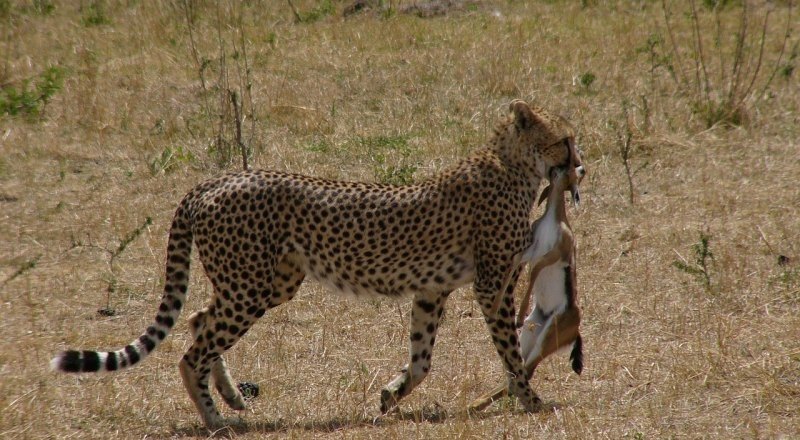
(360, 99)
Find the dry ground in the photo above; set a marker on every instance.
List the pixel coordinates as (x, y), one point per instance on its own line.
(395, 97)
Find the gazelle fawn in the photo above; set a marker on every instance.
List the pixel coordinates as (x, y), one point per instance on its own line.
(555, 319)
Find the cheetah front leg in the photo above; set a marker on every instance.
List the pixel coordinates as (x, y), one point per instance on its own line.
(426, 312)
(504, 334)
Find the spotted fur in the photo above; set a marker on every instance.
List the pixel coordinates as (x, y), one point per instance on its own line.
(260, 233)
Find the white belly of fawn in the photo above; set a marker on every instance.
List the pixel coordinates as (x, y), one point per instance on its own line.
(550, 302)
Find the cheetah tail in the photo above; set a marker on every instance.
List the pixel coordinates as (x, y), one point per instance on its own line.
(179, 247)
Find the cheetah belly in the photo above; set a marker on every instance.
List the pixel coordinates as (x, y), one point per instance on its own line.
(391, 278)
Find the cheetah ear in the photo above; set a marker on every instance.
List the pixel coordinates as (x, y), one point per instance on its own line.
(524, 117)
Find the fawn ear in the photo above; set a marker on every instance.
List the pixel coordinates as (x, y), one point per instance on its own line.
(545, 193)
(524, 117)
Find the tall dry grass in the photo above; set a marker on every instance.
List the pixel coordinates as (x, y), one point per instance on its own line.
(389, 96)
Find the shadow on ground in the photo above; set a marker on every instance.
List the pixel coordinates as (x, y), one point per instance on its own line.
(435, 414)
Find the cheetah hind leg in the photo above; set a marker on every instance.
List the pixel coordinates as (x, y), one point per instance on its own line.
(195, 367)
(220, 374)
(286, 283)
(204, 356)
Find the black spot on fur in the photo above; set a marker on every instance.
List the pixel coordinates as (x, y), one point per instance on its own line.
(133, 355)
(426, 306)
(91, 361)
(111, 362)
(147, 342)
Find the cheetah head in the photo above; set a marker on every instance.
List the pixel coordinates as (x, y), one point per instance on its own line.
(566, 178)
(537, 141)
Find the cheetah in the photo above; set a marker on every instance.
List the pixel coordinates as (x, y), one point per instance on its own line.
(259, 233)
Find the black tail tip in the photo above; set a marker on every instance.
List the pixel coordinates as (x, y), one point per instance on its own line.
(576, 356)
(76, 362)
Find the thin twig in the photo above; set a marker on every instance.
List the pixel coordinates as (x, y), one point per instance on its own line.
(25, 267)
(675, 50)
(764, 237)
(718, 42)
(297, 17)
(758, 63)
(223, 88)
(237, 106)
(700, 61)
(188, 9)
(245, 103)
(624, 143)
(738, 57)
(248, 84)
(786, 35)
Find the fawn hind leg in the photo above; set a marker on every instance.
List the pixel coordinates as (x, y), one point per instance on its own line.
(556, 332)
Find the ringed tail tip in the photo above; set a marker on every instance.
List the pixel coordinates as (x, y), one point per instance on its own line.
(72, 361)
